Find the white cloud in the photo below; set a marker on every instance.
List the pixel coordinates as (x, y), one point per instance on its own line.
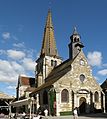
(2, 52)
(9, 71)
(19, 45)
(17, 67)
(103, 72)
(11, 87)
(28, 64)
(6, 35)
(14, 38)
(21, 63)
(105, 65)
(95, 58)
(14, 54)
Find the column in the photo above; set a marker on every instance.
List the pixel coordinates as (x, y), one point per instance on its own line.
(57, 103)
(75, 100)
(104, 102)
(10, 110)
(37, 101)
(93, 102)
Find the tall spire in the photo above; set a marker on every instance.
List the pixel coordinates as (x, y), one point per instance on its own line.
(49, 44)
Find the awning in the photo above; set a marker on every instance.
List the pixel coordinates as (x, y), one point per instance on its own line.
(21, 102)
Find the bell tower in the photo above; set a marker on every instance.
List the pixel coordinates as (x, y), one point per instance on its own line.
(49, 57)
(75, 45)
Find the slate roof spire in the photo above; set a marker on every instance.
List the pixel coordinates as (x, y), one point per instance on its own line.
(49, 44)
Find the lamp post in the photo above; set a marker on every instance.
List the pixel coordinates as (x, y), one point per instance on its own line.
(31, 102)
(9, 110)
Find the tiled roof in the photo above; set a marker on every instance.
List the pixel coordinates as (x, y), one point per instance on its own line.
(56, 74)
(26, 80)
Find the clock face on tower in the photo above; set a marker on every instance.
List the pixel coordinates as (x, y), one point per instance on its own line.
(82, 62)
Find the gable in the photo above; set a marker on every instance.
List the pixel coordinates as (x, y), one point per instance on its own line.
(79, 66)
(68, 74)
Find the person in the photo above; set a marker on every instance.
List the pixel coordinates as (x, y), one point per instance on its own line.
(75, 113)
(46, 112)
(23, 115)
(36, 117)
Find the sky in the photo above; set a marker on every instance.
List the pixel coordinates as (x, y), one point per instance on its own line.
(22, 25)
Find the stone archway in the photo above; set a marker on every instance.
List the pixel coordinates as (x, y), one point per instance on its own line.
(82, 105)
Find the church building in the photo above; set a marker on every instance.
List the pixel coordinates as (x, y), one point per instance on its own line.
(63, 85)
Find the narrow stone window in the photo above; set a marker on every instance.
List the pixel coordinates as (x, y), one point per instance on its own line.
(64, 95)
(52, 62)
(96, 95)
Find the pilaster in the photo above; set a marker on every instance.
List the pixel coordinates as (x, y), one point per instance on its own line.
(57, 103)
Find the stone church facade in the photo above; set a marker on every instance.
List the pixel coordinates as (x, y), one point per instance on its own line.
(63, 85)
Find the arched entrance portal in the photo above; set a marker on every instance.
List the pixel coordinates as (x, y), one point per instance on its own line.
(82, 105)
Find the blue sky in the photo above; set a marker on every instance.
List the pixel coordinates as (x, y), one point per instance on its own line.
(21, 31)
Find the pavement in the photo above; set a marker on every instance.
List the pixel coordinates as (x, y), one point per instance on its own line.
(86, 116)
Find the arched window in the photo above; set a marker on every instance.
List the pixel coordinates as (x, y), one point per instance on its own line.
(52, 62)
(64, 95)
(75, 39)
(82, 78)
(45, 97)
(96, 96)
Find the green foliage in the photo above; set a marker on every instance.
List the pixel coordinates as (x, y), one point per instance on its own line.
(52, 99)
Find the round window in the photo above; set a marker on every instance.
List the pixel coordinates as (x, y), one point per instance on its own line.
(82, 62)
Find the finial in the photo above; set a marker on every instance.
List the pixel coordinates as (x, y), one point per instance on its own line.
(75, 30)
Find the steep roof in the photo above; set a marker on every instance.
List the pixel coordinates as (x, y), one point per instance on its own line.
(49, 44)
(56, 74)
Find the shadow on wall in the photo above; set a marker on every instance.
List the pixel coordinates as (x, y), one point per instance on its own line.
(97, 113)
(94, 115)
